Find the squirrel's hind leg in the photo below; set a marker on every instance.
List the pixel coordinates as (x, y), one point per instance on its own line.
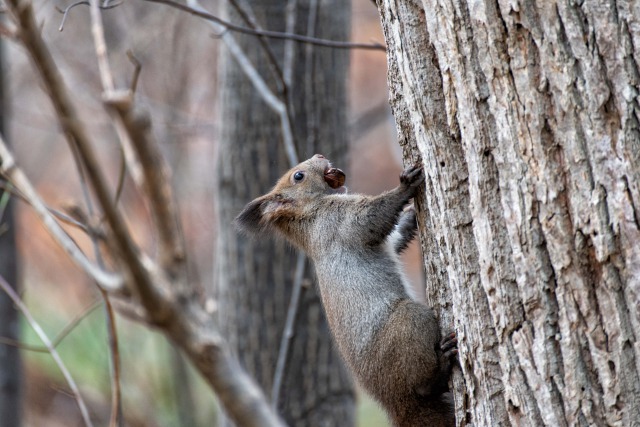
(405, 231)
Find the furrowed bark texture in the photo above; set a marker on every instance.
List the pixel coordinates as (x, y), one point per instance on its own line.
(255, 277)
(526, 115)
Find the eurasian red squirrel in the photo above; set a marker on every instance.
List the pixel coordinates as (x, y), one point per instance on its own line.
(391, 342)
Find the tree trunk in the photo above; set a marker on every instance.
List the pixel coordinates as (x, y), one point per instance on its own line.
(10, 371)
(255, 277)
(526, 116)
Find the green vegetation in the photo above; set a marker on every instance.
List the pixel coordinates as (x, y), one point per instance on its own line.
(148, 383)
(148, 379)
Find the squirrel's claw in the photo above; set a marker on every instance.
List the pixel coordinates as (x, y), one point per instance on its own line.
(449, 345)
(412, 176)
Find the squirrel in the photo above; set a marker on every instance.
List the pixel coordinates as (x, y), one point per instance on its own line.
(390, 342)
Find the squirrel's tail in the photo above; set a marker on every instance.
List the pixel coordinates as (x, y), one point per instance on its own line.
(437, 412)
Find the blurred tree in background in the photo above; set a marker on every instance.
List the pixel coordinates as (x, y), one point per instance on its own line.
(256, 278)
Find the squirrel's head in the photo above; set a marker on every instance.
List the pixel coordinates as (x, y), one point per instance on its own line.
(286, 201)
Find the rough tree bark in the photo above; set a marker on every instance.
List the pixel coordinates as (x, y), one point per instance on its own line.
(255, 278)
(526, 116)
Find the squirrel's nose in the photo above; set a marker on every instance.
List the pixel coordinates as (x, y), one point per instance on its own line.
(318, 156)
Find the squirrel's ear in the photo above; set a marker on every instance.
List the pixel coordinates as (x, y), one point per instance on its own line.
(264, 212)
(250, 219)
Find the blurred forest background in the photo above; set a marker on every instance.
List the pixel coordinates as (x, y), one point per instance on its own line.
(177, 85)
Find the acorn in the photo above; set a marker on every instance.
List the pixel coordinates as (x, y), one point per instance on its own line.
(334, 177)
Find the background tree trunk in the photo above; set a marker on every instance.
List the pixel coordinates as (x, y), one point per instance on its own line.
(10, 371)
(255, 278)
(526, 116)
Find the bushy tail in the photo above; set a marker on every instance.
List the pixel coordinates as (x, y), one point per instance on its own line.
(438, 412)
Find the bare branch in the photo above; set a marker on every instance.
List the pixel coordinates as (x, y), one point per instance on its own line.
(10, 170)
(291, 10)
(284, 109)
(249, 19)
(61, 335)
(288, 333)
(121, 175)
(183, 320)
(277, 105)
(294, 303)
(8, 188)
(54, 354)
(114, 359)
(67, 9)
(28, 31)
(97, 31)
(116, 395)
(234, 387)
(310, 75)
(270, 34)
(155, 181)
(136, 72)
(236, 390)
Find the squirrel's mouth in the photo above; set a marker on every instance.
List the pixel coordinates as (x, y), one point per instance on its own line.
(334, 177)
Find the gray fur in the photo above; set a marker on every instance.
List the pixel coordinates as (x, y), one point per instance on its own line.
(390, 342)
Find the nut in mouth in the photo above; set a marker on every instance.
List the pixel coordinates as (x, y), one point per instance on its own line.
(334, 177)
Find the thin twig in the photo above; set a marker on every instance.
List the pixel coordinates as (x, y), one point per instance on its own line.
(121, 175)
(117, 418)
(100, 43)
(155, 183)
(286, 116)
(136, 71)
(154, 170)
(294, 303)
(275, 103)
(291, 11)
(182, 319)
(10, 170)
(266, 47)
(54, 354)
(29, 32)
(270, 34)
(288, 333)
(114, 359)
(61, 335)
(10, 189)
(240, 396)
(67, 9)
(310, 77)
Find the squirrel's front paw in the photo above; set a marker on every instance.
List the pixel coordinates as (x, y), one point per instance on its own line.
(449, 350)
(412, 177)
(449, 345)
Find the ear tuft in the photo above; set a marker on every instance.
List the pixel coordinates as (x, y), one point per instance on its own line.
(264, 213)
(249, 221)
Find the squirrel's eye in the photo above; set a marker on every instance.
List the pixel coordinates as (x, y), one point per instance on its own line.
(298, 176)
